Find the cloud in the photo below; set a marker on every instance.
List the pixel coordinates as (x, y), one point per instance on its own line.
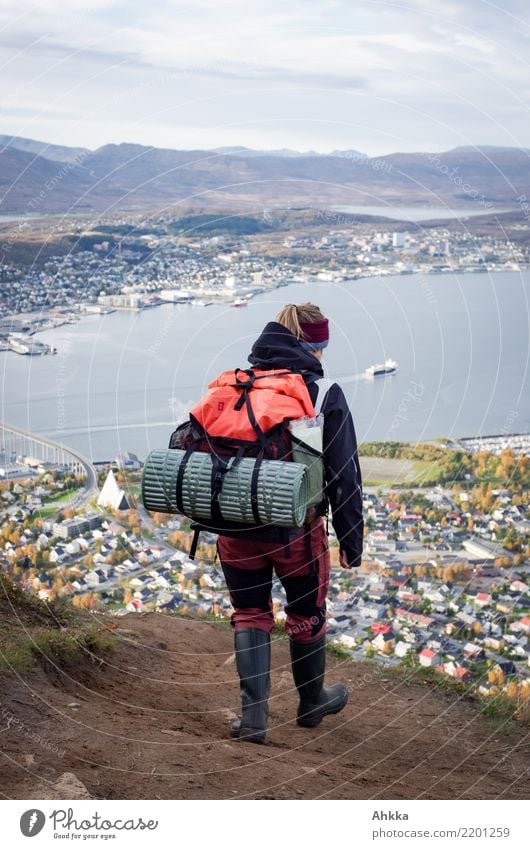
(367, 74)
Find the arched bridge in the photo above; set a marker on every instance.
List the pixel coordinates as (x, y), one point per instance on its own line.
(16, 442)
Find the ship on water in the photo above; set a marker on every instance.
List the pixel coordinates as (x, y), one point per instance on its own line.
(22, 344)
(379, 369)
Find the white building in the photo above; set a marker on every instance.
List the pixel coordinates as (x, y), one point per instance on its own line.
(9, 471)
(128, 460)
(91, 579)
(484, 549)
(111, 495)
(402, 648)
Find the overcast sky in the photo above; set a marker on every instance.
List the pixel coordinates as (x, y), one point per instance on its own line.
(372, 75)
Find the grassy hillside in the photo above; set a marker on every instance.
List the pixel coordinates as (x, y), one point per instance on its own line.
(34, 633)
(150, 720)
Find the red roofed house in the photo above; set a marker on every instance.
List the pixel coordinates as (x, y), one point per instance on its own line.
(406, 595)
(522, 624)
(415, 618)
(410, 518)
(456, 671)
(428, 657)
(380, 628)
(482, 599)
(463, 674)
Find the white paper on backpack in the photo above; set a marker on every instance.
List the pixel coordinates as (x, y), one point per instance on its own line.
(307, 449)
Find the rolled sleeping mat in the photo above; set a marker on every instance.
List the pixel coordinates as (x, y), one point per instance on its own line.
(282, 488)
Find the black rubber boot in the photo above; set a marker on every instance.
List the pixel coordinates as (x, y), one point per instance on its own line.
(316, 701)
(253, 661)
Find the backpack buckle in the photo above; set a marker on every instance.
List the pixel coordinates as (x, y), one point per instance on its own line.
(244, 385)
(241, 384)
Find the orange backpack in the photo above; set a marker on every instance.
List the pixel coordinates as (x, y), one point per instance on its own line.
(246, 405)
(245, 413)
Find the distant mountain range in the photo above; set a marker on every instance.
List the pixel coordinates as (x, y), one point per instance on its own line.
(36, 177)
(284, 151)
(56, 152)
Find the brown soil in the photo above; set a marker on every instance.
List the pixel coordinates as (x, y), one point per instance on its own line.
(152, 722)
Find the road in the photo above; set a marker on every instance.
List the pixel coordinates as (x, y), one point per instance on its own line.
(90, 486)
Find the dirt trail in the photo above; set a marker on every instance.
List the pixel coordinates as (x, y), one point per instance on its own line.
(153, 723)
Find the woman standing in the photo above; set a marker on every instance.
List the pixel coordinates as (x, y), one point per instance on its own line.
(296, 341)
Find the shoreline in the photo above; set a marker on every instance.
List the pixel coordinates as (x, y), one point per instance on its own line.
(446, 444)
(79, 311)
(134, 432)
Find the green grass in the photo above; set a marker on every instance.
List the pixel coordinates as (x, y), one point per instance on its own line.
(399, 472)
(426, 473)
(32, 631)
(44, 512)
(59, 498)
(51, 648)
(18, 658)
(222, 621)
(504, 713)
(377, 482)
(338, 651)
(497, 709)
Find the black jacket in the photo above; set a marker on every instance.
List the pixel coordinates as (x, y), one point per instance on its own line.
(277, 347)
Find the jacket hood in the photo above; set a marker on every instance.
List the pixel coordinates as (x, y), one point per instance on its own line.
(277, 347)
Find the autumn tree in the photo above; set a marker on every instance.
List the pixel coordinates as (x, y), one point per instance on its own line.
(496, 676)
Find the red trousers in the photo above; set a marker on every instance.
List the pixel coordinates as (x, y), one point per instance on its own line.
(303, 568)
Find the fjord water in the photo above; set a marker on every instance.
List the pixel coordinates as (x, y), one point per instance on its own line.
(421, 213)
(119, 381)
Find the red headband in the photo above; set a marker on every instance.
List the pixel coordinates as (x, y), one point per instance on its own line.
(315, 331)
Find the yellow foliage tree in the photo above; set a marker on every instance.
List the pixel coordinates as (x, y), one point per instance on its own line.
(448, 574)
(496, 676)
(512, 690)
(502, 562)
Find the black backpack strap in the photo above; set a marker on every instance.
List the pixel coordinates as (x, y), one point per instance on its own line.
(254, 488)
(180, 478)
(245, 386)
(219, 470)
(238, 456)
(194, 543)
